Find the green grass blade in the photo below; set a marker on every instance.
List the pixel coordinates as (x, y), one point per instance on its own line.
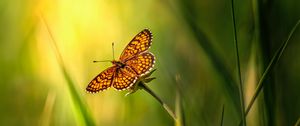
(222, 115)
(79, 103)
(179, 111)
(271, 65)
(241, 92)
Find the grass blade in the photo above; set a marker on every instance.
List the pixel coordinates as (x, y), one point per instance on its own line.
(222, 116)
(241, 92)
(178, 104)
(178, 110)
(79, 103)
(271, 65)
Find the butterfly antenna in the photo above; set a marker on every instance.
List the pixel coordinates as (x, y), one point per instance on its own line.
(113, 50)
(95, 61)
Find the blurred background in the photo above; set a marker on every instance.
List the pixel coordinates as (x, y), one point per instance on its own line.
(195, 60)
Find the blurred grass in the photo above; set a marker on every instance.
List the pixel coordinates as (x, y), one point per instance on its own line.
(271, 66)
(230, 85)
(192, 39)
(78, 102)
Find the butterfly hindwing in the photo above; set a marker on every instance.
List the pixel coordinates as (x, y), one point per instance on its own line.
(142, 63)
(124, 78)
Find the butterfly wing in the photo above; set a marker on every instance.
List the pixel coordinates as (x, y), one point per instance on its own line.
(140, 43)
(124, 78)
(102, 81)
(141, 63)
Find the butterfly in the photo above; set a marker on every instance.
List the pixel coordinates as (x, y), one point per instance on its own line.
(134, 62)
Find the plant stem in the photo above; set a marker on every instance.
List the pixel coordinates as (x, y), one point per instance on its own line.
(166, 107)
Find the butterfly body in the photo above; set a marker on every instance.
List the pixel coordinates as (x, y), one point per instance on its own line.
(118, 63)
(134, 62)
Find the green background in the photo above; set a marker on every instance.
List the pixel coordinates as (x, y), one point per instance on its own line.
(195, 61)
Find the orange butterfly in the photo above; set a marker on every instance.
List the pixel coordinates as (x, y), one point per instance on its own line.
(134, 62)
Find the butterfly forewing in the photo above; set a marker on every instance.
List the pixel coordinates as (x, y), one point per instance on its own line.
(140, 43)
(124, 78)
(142, 63)
(102, 81)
